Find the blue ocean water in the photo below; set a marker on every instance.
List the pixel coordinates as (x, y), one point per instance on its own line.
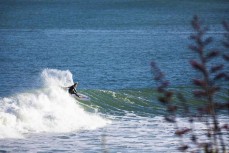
(107, 46)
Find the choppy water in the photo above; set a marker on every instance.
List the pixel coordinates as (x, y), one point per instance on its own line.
(107, 46)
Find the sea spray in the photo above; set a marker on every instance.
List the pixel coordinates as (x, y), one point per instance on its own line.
(49, 109)
(54, 77)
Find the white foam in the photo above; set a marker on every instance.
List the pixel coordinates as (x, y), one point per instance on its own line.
(50, 109)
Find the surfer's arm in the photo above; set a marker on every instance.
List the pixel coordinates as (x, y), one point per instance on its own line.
(65, 88)
(74, 90)
(68, 87)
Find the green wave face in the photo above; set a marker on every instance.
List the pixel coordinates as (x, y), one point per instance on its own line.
(141, 102)
(119, 102)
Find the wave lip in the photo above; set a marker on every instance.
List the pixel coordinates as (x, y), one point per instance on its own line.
(49, 109)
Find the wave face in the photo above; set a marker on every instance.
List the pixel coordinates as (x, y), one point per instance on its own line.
(121, 102)
(49, 109)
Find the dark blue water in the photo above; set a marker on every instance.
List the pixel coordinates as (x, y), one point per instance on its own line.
(107, 45)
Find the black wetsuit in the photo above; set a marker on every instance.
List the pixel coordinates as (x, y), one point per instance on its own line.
(72, 90)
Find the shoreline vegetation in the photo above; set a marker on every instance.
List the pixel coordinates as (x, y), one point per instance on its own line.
(207, 87)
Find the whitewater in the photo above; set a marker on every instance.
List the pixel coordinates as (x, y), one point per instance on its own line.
(48, 109)
(48, 119)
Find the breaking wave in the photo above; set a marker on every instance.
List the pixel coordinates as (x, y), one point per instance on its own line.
(49, 109)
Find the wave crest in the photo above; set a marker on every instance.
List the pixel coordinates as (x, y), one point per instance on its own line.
(49, 109)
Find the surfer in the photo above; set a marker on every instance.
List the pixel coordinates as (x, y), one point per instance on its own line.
(72, 89)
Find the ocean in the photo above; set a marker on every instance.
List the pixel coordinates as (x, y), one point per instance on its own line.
(107, 46)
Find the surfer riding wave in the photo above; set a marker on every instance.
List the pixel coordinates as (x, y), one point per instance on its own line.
(79, 96)
(72, 89)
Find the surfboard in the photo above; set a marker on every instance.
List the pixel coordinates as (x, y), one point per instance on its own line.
(82, 97)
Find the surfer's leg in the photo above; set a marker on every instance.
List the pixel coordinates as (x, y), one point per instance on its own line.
(77, 95)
